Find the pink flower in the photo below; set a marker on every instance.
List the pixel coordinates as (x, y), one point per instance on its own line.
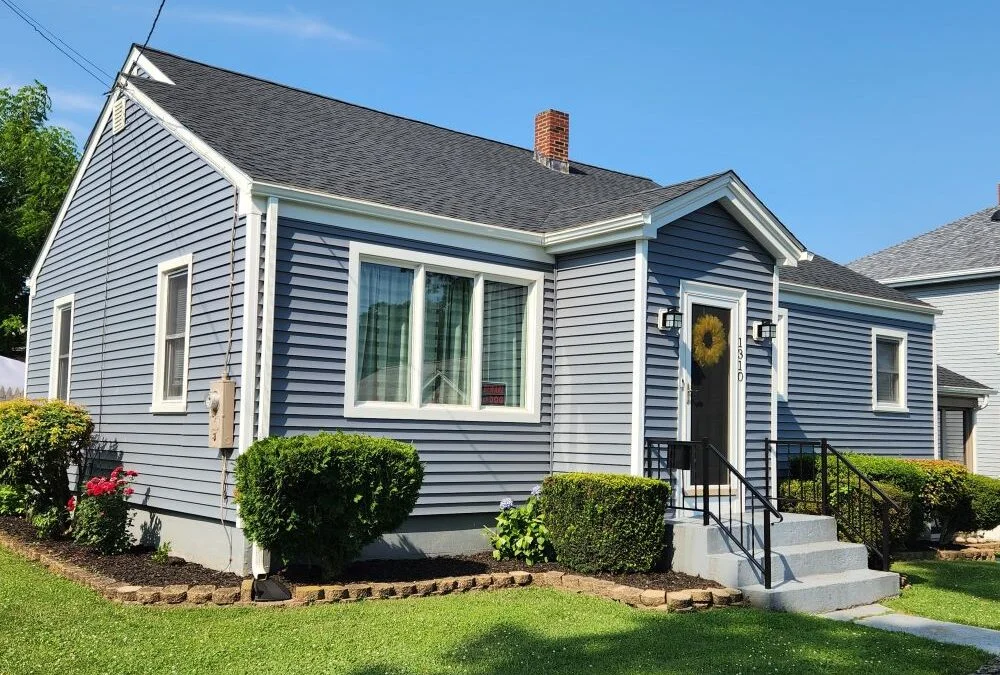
(128, 492)
(131, 474)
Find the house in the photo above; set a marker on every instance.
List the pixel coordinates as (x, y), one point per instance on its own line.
(956, 268)
(511, 312)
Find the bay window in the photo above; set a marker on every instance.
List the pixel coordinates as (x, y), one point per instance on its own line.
(434, 337)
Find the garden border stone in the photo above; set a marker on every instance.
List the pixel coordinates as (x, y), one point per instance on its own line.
(177, 595)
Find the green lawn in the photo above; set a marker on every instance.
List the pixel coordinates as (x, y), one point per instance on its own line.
(53, 626)
(961, 591)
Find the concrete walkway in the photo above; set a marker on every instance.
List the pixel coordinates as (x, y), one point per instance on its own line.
(877, 616)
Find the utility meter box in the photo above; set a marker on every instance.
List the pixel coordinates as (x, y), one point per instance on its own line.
(221, 404)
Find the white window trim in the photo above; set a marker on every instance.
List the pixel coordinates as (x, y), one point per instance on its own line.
(781, 347)
(57, 305)
(883, 406)
(413, 410)
(161, 405)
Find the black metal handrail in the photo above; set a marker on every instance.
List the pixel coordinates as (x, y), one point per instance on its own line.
(818, 478)
(666, 459)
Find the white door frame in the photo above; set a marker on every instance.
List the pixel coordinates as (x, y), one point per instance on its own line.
(723, 297)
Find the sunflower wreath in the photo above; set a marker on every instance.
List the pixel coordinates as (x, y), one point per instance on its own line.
(709, 338)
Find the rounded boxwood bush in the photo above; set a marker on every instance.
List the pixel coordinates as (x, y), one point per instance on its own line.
(323, 498)
(985, 501)
(606, 522)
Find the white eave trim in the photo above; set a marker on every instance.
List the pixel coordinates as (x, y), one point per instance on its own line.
(942, 277)
(856, 299)
(966, 392)
(727, 189)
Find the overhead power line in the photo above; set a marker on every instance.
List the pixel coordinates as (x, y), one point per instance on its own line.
(56, 41)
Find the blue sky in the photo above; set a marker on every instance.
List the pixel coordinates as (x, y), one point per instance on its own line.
(858, 125)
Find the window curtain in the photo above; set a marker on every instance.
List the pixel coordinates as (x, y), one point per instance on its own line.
(503, 344)
(383, 349)
(447, 339)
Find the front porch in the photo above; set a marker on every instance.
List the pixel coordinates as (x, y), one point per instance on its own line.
(727, 528)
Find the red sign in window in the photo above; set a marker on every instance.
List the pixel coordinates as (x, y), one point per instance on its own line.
(494, 393)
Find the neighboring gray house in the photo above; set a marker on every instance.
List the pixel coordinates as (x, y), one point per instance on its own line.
(512, 313)
(956, 268)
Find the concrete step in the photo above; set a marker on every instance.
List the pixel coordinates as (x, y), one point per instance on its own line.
(687, 532)
(825, 592)
(787, 562)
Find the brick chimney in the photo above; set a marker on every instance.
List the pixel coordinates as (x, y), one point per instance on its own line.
(552, 140)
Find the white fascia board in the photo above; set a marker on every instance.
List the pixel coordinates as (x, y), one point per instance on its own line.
(965, 392)
(367, 216)
(601, 233)
(943, 277)
(862, 304)
(212, 157)
(151, 69)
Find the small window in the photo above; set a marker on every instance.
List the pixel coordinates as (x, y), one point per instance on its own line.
(62, 348)
(432, 337)
(889, 370)
(173, 328)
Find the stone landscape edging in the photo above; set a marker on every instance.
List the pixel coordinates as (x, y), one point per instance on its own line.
(181, 594)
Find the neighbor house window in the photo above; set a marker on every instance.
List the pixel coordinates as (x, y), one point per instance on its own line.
(62, 348)
(173, 332)
(441, 338)
(888, 370)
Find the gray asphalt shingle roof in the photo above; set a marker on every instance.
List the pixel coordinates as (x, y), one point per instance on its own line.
(968, 243)
(284, 135)
(949, 378)
(824, 273)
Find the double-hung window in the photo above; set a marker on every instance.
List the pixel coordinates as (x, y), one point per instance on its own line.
(173, 333)
(434, 337)
(61, 360)
(888, 370)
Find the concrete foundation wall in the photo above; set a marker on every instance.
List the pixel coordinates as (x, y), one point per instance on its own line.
(422, 536)
(198, 540)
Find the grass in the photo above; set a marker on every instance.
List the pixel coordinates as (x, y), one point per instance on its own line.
(52, 625)
(950, 590)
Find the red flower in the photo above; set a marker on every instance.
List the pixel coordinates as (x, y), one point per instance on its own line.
(71, 504)
(131, 474)
(128, 492)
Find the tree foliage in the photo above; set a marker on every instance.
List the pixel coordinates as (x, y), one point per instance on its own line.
(37, 162)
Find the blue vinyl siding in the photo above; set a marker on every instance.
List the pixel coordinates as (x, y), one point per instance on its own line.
(469, 466)
(592, 418)
(711, 247)
(830, 383)
(167, 202)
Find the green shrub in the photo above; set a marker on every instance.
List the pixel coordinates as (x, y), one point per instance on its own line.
(101, 519)
(985, 493)
(12, 501)
(521, 533)
(903, 473)
(49, 523)
(39, 441)
(800, 496)
(606, 522)
(323, 498)
(161, 556)
(905, 525)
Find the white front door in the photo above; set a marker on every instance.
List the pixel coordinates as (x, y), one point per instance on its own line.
(712, 388)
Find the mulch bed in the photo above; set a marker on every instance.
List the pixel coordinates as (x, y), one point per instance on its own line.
(421, 569)
(135, 567)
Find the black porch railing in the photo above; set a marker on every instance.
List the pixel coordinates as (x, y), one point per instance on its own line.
(666, 460)
(814, 477)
